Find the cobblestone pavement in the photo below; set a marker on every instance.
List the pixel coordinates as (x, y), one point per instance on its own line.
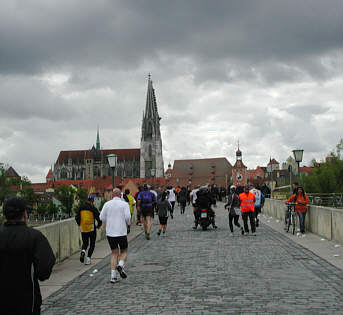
(207, 272)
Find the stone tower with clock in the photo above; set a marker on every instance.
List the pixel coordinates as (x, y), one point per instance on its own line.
(239, 170)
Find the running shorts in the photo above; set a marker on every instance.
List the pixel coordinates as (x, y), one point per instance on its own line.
(118, 241)
(163, 220)
(147, 211)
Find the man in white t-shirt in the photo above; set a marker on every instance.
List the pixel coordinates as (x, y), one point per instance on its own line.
(171, 199)
(116, 214)
(193, 196)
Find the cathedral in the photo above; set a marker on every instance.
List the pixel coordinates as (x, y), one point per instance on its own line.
(143, 162)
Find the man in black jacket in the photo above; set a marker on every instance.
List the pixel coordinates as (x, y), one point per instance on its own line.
(205, 200)
(85, 218)
(25, 258)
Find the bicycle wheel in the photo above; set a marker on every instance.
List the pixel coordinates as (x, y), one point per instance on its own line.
(294, 222)
(288, 223)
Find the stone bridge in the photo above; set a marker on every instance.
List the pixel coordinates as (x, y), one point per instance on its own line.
(209, 272)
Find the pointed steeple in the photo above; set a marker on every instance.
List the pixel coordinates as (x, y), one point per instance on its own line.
(151, 142)
(151, 105)
(97, 140)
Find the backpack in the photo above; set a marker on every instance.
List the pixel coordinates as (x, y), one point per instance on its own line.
(146, 197)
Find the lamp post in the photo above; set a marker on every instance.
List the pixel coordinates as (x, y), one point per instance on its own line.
(112, 161)
(298, 156)
(152, 173)
(290, 178)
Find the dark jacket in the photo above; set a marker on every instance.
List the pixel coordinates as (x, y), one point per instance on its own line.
(183, 195)
(163, 208)
(232, 203)
(87, 212)
(204, 199)
(25, 258)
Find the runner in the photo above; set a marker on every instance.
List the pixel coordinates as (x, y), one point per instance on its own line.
(163, 208)
(146, 199)
(259, 202)
(247, 200)
(86, 216)
(232, 205)
(116, 214)
(171, 199)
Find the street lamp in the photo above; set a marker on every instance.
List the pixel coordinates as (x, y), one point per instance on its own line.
(112, 161)
(298, 156)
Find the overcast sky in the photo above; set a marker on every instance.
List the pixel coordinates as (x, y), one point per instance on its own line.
(266, 73)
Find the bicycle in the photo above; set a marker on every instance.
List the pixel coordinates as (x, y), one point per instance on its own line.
(291, 217)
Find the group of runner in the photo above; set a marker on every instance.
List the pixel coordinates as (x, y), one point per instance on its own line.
(117, 214)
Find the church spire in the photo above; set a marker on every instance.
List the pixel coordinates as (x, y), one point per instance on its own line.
(151, 105)
(151, 142)
(97, 140)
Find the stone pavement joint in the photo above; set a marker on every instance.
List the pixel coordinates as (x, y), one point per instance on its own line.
(206, 272)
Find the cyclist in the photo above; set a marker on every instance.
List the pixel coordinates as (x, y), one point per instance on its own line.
(301, 200)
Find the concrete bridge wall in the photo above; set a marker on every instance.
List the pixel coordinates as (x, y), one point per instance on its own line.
(65, 236)
(324, 221)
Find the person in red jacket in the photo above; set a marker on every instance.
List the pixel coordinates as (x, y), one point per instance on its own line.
(247, 200)
(301, 200)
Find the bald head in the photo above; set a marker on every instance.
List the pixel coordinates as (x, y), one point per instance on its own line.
(116, 192)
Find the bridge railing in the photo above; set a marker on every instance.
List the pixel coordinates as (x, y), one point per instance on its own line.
(334, 200)
(326, 200)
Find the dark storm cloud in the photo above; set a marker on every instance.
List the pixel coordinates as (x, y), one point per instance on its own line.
(243, 35)
(21, 98)
(259, 71)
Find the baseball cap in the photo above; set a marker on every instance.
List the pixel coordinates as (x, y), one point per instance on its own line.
(14, 206)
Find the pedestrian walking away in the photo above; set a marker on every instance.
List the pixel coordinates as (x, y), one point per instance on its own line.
(163, 207)
(86, 216)
(259, 203)
(131, 200)
(116, 214)
(146, 200)
(139, 216)
(233, 206)
(247, 200)
(193, 197)
(183, 199)
(171, 199)
(301, 199)
(26, 257)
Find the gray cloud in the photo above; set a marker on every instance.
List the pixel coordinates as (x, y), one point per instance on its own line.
(266, 73)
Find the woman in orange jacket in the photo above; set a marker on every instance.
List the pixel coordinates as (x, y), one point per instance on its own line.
(301, 200)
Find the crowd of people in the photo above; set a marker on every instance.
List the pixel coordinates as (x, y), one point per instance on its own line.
(27, 256)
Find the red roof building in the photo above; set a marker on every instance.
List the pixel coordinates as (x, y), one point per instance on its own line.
(196, 172)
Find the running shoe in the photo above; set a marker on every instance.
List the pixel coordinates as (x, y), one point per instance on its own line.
(114, 280)
(88, 261)
(121, 271)
(82, 256)
(242, 231)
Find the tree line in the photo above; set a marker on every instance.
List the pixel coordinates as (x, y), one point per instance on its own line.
(68, 196)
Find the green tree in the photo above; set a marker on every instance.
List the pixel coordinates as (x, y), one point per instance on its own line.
(29, 195)
(52, 209)
(103, 201)
(5, 185)
(326, 177)
(65, 194)
(42, 208)
(82, 194)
